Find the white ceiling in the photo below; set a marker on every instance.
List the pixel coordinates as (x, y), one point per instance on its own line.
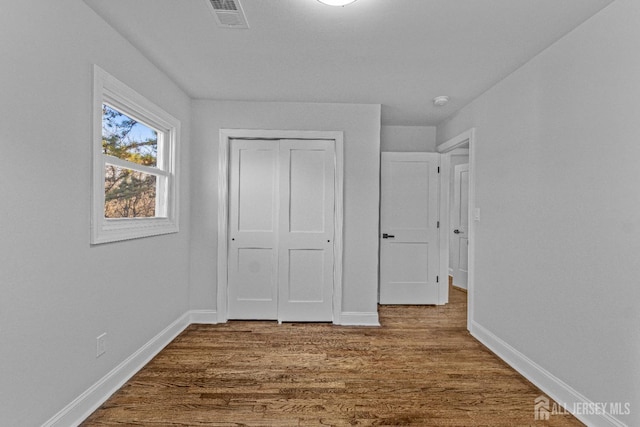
(398, 53)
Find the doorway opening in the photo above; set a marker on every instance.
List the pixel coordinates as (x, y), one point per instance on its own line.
(459, 217)
(455, 146)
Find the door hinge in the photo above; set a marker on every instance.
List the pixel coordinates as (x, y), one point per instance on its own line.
(437, 279)
(438, 169)
(438, 224)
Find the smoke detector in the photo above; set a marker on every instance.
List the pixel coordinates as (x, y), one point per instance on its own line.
(440, 101)
(228, 13)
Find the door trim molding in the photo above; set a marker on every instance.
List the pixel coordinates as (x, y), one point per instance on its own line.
(223, 207)
(447, 148)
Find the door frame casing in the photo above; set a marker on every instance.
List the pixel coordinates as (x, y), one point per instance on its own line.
(223, 207)
(445, 149)
(445, 215)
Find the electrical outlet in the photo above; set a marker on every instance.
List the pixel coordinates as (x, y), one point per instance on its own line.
(101, 344)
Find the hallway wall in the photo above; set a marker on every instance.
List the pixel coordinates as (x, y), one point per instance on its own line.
(557, 184)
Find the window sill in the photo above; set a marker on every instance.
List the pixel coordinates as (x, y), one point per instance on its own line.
(115, 230)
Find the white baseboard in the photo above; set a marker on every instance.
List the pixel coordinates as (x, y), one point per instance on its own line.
(209, 317)
(85, 404)
(357, 318)
(552, 386)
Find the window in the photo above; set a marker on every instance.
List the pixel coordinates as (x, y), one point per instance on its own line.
(134, 160)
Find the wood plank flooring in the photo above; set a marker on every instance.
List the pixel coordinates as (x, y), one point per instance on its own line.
(420, 368)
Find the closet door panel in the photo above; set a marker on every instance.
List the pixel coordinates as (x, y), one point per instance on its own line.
(307, 170)
(253, 226)
(281, 221)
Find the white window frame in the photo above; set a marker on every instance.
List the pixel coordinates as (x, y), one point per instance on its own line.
(111, 91)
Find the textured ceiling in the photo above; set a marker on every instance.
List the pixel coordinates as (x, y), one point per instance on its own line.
(398, 53)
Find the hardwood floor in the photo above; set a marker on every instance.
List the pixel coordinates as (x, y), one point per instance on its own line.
(420, 368)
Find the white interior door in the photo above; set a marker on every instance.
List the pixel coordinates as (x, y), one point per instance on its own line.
(409, 251)
(253, 229)
(460, 225)
(306, 231)
(281, 230)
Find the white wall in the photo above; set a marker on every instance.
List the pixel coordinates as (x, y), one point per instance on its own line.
(408, 138)
(57, 293)
(361, 126)
(558, 244)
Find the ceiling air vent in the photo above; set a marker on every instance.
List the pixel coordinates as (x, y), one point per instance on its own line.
(228, 13)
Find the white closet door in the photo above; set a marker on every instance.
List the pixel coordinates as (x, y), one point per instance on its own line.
(306, 230)
(253, 228)
(281, 230)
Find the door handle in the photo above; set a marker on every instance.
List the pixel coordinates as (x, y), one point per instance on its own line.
(388, 236)
(457, 232)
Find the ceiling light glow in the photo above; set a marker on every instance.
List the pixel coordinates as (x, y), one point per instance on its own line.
(336, 2)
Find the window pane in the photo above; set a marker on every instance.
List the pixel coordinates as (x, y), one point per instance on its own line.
(127, 139)
(128, 193)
